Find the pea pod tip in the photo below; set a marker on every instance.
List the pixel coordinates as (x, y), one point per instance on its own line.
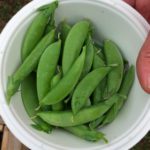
(47, 6)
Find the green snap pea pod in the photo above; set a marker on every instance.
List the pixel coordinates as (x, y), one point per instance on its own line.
(51, 24)
(36, 30)
(74, 43)
(66, 84)
(56, 79)
(67, 118)
(64, 30)
(37, 127)
(29, 94)
(87, 134)
(112, 113)
(86, 87)
(98, 62)
(126, 85)
(47, 67)
(127, 82)
(94, 124)
(58, 106)
(28, 65)
(88, 103)
(123, 94)
(54, 82)
(30, 102)
(89, 57)
(113, 56)
(98, 93)
(50, 6)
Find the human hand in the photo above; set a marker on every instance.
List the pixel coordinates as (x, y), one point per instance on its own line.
(142, 6)
(143, 60)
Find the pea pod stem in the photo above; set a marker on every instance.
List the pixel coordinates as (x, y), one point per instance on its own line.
(99, 52)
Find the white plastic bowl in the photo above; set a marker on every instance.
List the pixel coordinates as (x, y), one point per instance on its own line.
(112, 19)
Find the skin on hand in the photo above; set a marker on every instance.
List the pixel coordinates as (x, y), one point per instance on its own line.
(130, 2)
(142, 6)
(143, 65)
(143, 60)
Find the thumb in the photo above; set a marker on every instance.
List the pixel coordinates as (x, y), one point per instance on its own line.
(143, 65)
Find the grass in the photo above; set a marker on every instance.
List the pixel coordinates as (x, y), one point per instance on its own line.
(8, 8)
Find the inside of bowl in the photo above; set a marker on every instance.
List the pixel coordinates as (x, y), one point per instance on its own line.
(108, 24)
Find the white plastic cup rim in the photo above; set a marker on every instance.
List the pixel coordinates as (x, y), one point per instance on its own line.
(143, 124)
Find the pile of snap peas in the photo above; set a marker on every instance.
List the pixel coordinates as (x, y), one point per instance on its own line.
(67, 80)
